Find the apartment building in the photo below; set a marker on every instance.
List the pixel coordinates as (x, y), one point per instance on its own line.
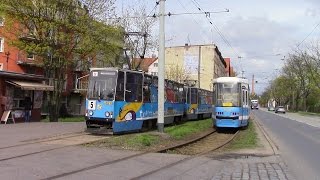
(198, 63)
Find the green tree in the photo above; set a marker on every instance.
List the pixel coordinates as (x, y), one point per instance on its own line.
(56, 32)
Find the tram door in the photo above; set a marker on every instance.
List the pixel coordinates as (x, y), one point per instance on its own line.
(244, 104)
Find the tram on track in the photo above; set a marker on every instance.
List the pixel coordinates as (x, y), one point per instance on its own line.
(231, 102)
(121, 100)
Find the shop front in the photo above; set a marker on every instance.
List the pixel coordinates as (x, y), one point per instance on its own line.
(22, 94)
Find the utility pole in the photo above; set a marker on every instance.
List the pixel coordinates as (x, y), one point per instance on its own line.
(239, 57)
(161, 65)
(199, 66)
(7, 54)
(252, 92)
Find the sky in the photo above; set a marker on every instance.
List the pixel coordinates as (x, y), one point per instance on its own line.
(260, 32)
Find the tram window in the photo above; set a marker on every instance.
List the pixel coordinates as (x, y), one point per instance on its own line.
(243, 96)
(146, 88)
(246, 97)
(214, 94)
(169, 91)
(209, 97)
(180, 94)
(184, 94)
(194, 96)
(120, 87)
(202, 97)
(188, 90)
(134, 87)
(155, 81)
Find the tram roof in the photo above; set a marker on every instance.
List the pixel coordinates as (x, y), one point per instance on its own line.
(107, 68)
(114, 69)
(230, 80)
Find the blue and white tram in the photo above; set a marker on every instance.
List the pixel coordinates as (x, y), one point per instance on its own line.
(120, 100)
(231, 102)
(198, 103)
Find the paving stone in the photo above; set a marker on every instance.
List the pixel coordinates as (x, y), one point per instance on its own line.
(236, 174)
(276, 166)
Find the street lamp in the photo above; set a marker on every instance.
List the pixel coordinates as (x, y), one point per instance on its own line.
(7, 54)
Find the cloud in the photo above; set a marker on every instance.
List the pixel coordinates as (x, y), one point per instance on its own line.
(261, 42)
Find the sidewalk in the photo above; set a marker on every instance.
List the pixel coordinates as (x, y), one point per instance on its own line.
(13, 134)
(262, 163)
(306, 119)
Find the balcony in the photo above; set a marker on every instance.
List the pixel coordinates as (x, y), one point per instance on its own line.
(27, 59)
(27, 37)
(80, 65)
(81, 84)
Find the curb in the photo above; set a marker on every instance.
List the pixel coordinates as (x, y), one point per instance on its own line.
(273, 146)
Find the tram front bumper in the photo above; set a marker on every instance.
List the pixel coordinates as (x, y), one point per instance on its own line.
(228, 123)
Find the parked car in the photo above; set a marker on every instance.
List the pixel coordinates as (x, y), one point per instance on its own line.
(270, 108)
(280, 109)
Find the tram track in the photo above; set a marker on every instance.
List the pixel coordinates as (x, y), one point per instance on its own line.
(166, 149)
(195, 143)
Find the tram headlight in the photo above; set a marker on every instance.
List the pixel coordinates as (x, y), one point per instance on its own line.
(107, 114)
(91, 113)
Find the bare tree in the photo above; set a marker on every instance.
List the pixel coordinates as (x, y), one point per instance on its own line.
(139, 39)
(177, 73)
(101, 10)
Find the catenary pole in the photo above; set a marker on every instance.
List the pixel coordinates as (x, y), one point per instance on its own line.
(161, 65)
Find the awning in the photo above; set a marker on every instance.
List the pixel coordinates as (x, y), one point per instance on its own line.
(29, 85)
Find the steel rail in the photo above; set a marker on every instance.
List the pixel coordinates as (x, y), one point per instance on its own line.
(187, 158)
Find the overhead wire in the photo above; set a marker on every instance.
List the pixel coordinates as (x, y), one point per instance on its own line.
(149, 15)
(197, 5)
(308, 34)
(184, 7)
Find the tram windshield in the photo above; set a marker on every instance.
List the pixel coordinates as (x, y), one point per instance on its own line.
(227, 94)
(102, 85)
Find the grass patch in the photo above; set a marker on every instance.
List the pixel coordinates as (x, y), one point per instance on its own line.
(246, 139)
(68, 119)
(149, 140)
(128, 141)
(143, 140)
(183, 130)
(308, 113)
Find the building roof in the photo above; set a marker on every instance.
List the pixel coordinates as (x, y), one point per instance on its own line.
(143, 64)
(15, 75)
(203, 45)
(220, 56)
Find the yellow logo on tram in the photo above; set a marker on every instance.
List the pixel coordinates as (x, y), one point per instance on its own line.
(227, 104)
(129, 108)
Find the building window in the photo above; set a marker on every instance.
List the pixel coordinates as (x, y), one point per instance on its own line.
(155, 64)
(31, 70)
(1, 21)
(1, 44)
(30, 56)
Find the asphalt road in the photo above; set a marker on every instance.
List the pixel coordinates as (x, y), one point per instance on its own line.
(297, 141)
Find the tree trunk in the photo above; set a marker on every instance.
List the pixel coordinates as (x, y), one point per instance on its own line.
(55, 101)
(55, 96)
